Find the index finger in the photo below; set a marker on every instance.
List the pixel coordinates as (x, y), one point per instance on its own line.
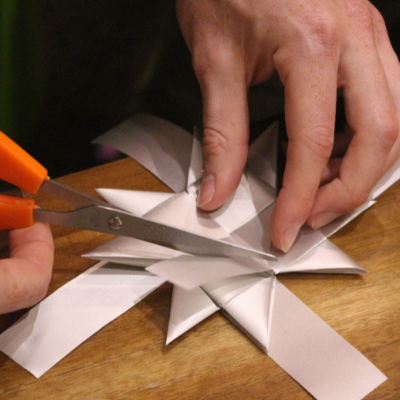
(310, 95)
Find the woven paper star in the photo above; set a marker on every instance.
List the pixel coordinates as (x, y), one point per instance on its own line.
(247, 291)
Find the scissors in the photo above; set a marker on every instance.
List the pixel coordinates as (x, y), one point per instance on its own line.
(20, 169)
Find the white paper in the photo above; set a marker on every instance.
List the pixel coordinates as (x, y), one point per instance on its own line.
(61, 322)
(160, 146)
(315, 355)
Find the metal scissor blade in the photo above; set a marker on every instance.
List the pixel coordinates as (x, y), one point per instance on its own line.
(70, 195)
(117, 222)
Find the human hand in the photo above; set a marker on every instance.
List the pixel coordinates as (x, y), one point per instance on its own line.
(25, 276)
(316, 46)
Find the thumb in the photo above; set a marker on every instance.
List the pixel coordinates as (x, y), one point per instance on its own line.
(225, 140)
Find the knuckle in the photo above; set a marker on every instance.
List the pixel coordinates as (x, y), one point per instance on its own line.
(202, 64)
(206, 61)
(388, 133)
(386, 139)
(214, 142)
(320, 141)
(306, 200)
(218, 139)
(323, 33)
(360, 14)
(379, 23)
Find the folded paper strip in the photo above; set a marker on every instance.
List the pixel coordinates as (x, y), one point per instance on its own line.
(279, 323)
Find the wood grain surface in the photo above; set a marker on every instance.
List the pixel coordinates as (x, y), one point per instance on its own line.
(128, 358)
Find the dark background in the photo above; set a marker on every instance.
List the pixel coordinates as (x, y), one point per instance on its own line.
(77, 68)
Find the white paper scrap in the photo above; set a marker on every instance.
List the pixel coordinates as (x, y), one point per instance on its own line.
(317, 357)
(188, 308)
(65, 319)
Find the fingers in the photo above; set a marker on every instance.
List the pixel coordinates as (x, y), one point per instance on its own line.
(306, 52)
(225, 140)
(310, 94)
(391, 66)
(26, 274)
(371, 115)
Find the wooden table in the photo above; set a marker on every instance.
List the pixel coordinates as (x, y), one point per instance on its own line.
(128, 358)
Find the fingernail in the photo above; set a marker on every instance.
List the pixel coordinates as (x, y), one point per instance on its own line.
(206, 192)
(322, 219)
(289, 237)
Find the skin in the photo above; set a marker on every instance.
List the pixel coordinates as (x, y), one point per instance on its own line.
(25, 276)
(316, 46)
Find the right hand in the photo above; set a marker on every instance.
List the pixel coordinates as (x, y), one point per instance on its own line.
(316, 46)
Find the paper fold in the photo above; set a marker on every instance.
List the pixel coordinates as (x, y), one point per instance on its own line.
(188, 308)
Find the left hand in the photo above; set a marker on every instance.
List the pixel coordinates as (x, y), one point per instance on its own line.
(25, 275)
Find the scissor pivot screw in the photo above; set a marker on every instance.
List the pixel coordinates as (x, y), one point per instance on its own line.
(115, 222)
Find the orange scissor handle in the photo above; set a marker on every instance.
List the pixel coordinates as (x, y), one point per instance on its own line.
(15, 212)
(18, 167)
